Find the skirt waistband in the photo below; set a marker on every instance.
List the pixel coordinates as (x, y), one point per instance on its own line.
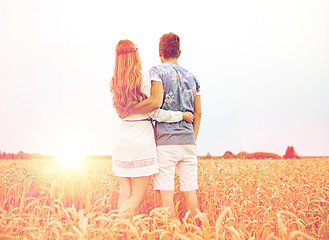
(137, 120)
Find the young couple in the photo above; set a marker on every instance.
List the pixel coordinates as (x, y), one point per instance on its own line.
(142, 149)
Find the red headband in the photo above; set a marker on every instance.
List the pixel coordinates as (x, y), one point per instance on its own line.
(129, 51)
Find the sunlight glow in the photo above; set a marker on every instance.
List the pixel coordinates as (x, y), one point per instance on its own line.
(70, 160)
(70, 157)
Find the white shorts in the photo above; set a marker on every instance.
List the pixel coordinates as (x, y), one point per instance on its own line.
(182, 157)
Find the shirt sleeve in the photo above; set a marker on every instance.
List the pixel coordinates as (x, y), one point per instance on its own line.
(161, 115)
(198, 92)
(155, 74)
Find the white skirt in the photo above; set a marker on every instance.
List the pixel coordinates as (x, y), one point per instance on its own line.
(134, 154)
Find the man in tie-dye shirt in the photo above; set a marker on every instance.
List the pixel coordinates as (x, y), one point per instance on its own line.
(176, 142)
(174, 88)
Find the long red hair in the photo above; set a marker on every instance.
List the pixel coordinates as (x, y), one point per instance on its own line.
(127, 78)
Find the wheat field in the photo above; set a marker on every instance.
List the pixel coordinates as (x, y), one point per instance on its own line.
(239, 199)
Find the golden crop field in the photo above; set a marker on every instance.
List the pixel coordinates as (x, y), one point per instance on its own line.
(239, 199)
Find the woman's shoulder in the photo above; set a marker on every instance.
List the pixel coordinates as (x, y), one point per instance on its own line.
(146, 79)
(146, 76)
(146, 84)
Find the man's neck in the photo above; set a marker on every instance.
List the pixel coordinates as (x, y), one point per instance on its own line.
(171, 60)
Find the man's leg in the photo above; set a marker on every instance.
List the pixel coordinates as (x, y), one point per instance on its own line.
(188, 171)
(165, 179)
(191, 201)
(167, 198)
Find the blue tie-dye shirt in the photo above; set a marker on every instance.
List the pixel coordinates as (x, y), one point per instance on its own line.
(180, 88)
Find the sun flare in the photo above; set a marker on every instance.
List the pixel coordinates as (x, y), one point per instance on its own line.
(70, 158)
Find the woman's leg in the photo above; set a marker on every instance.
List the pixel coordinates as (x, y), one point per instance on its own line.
(124, 190)
(139, 188)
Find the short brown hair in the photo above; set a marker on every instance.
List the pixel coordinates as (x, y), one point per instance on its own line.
(169, 45)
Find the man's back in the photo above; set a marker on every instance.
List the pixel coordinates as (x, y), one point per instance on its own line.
(180, 88)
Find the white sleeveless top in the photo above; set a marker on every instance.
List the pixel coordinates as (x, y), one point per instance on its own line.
(134, 154)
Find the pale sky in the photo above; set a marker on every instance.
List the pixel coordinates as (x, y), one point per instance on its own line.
(263, 67)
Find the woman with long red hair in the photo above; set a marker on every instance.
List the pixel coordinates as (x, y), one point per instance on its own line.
(134, 155)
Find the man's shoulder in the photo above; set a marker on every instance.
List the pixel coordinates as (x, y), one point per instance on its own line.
(186, 74)
(160, 66)
(169, 70)
(161, 70)
(169, 67)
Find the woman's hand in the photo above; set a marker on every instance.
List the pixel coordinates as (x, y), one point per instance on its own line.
(188, 117)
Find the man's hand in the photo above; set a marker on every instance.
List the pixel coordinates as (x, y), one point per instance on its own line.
(188, 117)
